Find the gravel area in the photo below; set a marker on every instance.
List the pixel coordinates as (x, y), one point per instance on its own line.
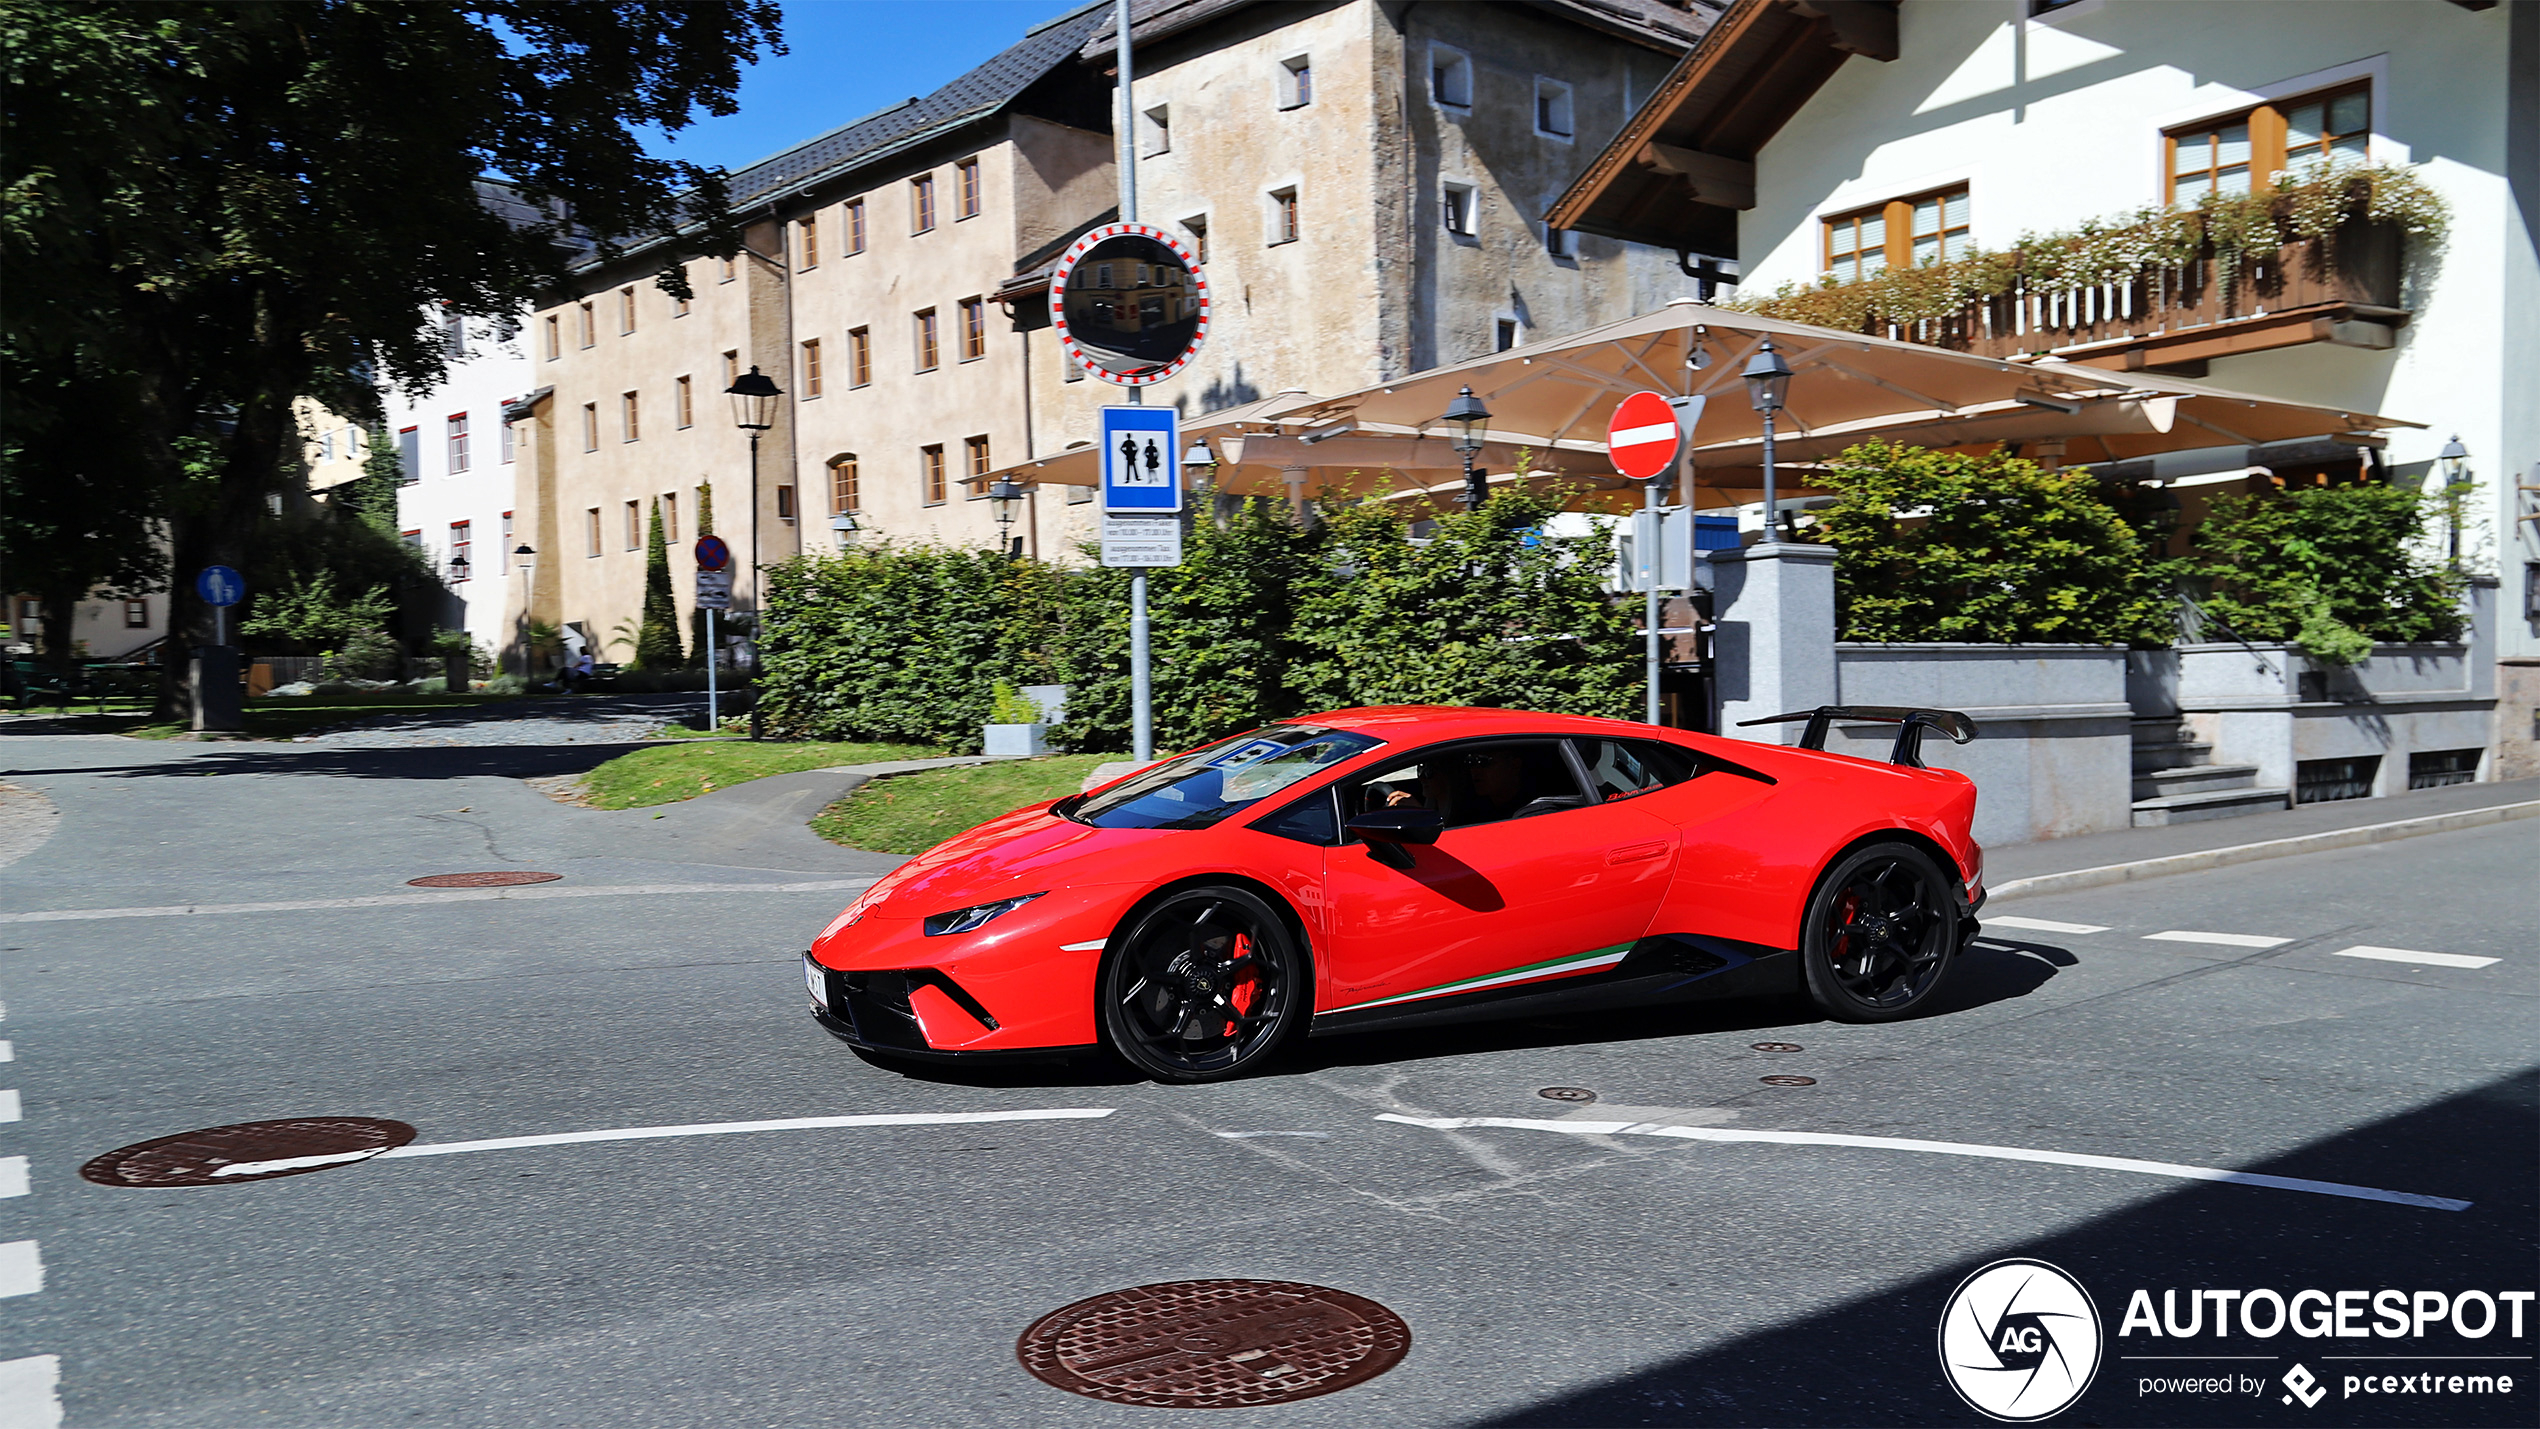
(578, 719)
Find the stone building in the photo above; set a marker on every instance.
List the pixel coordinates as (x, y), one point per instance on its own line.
(1365, 180)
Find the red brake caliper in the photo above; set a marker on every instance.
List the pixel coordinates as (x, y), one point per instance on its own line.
(1247, 986)
(1843, 927)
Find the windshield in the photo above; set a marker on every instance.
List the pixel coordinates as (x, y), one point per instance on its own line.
(1206, 785)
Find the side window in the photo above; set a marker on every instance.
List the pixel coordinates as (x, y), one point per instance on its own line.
(1311, 820)
(1620, 768)
(1475, 783)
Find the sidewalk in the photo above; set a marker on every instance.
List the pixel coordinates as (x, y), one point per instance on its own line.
(2117, 856)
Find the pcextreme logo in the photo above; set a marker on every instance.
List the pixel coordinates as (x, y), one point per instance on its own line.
(2019, 1340)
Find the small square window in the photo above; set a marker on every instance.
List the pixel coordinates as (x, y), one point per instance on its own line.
(1296, 82)
(1155, 131)
(807, 242)
(1552, 109)
(1197, 227)
(1456, 209)
(1561, 243)
(785, 503)
(1507, 333)
(136, 614)
(1450, 77)
(1283, 215)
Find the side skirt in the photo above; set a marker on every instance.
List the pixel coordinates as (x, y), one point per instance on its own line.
(1662, 970)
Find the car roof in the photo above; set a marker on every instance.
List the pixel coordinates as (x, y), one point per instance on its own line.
(1430, 722)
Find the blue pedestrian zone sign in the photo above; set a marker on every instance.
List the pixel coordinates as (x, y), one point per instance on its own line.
(1141, 460)
(220, 586)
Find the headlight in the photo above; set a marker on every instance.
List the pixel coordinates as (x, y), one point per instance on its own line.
(964, 920)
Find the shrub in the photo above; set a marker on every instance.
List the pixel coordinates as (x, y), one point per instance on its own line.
(367, 655)
(2331, 569)
(1006, 705)
(1936, 546)
(889, 643)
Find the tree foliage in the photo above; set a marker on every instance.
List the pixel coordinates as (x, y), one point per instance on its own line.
(657, 647)
(2332, 569)
(314, 613)
(1991, 549)
(882, 642)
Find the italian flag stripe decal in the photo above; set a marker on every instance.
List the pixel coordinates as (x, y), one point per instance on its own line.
(1550, 967)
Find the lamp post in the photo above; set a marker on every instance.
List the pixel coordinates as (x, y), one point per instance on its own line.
(1767, 386)
(1005, 500)
(753, 397)
(1471, 421)
(2455, 461)
(525, 556)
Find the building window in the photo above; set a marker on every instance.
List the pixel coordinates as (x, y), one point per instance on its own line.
(1283, 215)
(1456, 205)
(2427, 769)
(785, 502)
(454, 336)
(807, 241)
(409, 456)
(1561, 243)
(1900, 233)
(974, 452)
(966, 188)
(1508, 334)
(974, 329)
(855, 225)
(589, 329)
(679, 307)
(625, 311)
(930, 472)
(2237, 152)
(555, 344)
(1552, 109)
(670, 517)
(591, 528)
(590, 426)
(505, 554)
(457, 425)
(635, 525)
(1197, 227)
(687, 402)
(845, 495)
(462, 551)
(811, 368)
(731, 368)
(413, 539)
(727, 270)
(926, 346)
(859, 357)
(1155, 131)
(630, 418)
(1450, 77)
(1073, 370)
(2320, 781)
(136, 614)
(509, 442)
(921, 204)
(1296, 82)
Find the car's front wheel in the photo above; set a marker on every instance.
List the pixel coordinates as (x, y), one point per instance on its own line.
(1202, 985)
(1881, 933)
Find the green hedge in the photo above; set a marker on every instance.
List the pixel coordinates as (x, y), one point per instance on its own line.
(2332, 569)
(889, 643)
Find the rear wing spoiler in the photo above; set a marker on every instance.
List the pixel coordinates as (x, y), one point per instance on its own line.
(1910, 724)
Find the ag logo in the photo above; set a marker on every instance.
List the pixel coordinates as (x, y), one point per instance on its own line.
(2019, 1340)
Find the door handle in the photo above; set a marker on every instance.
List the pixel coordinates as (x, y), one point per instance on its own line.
(1635, 853)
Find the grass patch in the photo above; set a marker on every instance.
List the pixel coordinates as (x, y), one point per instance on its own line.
(911, 813)
(685, 768)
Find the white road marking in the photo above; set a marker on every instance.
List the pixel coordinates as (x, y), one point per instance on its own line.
(2403, 955)
(13, 1180)
(8, 1050)
(722, 1128)
(2220, 940)
(2039, 925)
(1940, 1148)
(441, 895)
(294, 1163)
(9, 1108)
(1094, 945)
(30, 1392)
(21, 1268)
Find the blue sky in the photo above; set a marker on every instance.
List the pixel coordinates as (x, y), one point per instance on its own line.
(850, 58)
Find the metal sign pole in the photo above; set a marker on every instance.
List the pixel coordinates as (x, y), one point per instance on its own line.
(714, 715)
(1141, 673)
(1651, 557)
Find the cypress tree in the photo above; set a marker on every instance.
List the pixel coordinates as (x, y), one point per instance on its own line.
(657, 642)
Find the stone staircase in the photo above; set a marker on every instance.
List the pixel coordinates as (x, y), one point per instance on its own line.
(2174, 783)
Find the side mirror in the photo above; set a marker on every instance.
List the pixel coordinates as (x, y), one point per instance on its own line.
(1399, 826)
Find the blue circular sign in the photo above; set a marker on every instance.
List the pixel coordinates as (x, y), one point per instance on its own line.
(712, 554)
(219, 585)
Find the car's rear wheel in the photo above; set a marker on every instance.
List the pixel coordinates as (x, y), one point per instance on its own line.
(1882, 931)
(1203, 985)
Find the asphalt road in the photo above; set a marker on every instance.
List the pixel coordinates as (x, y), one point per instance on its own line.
(878, 1275)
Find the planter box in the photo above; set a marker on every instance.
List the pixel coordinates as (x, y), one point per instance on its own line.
(1010, 741)
(2053, 754)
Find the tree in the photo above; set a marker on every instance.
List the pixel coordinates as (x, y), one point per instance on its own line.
(657, 647)
(2331, 569)
(81, 510)
(233, 205)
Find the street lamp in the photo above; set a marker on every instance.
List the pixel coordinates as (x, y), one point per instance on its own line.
(2455, 460)
(753, 396)
(1767, 386)
(525, 556)
(458, 566)
(1471, 421)
(1005, 501)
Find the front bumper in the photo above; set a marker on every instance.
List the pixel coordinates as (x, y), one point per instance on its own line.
(889, 1012)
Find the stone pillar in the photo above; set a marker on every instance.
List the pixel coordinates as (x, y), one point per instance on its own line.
(1774, 647)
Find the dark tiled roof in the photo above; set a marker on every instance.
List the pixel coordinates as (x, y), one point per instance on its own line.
(1665, 24)
(983, 90)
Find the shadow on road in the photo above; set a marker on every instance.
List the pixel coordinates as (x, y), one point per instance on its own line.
(515, 761)
(1874, 1360)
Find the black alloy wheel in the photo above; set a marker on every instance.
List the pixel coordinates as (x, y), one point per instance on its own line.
(1205, 985)
(1882, 930)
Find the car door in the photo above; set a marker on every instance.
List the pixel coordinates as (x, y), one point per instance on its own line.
(1558, 884)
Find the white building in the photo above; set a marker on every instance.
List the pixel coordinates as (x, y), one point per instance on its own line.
(457, 455)
(1808, 138)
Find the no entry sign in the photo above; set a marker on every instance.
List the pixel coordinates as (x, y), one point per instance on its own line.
(1642, 437)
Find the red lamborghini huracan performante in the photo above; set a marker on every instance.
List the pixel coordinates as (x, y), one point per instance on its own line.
(1379, 868)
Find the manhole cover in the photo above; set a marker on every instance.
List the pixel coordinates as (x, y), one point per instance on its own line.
(1777, 1047)
(481, 880)
(249, 1151)
(1214, 1344)
(1566, 1094)
(1788, 1081)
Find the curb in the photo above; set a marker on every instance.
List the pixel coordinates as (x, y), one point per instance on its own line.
(2274, 848)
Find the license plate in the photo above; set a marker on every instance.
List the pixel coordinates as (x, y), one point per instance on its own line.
(817, 977)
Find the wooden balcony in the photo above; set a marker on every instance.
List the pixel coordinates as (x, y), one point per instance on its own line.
(2176, 319)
